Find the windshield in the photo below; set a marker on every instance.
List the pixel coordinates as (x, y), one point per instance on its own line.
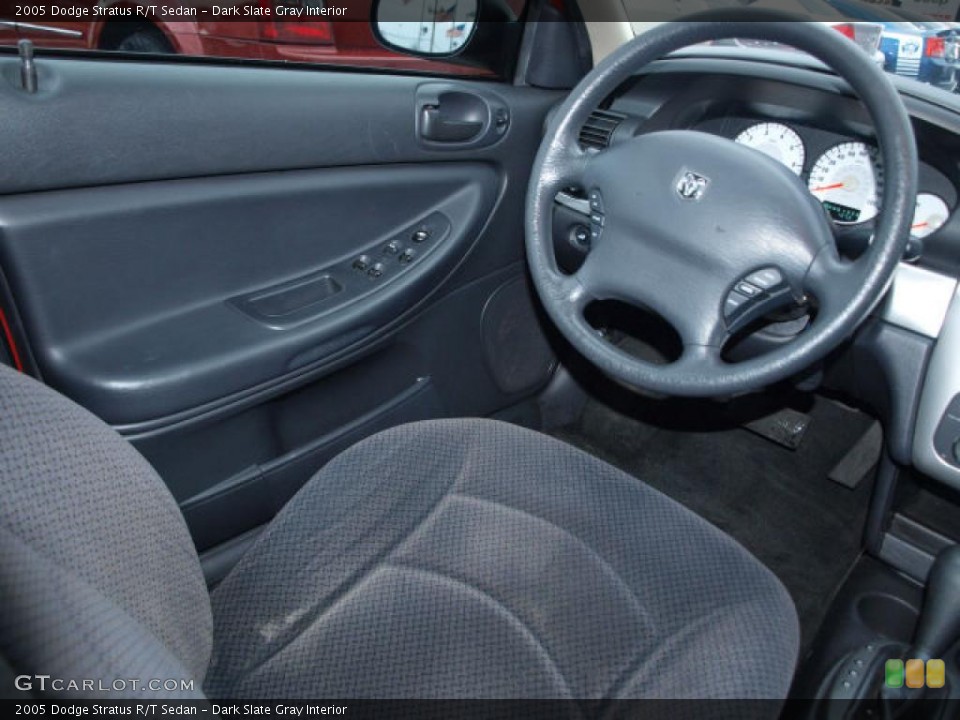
(913, 39)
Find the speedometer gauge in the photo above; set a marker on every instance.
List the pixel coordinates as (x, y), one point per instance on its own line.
(778, 141)
(931, 213)
(847, 179)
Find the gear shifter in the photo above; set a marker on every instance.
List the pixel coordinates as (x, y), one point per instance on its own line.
(858, 678)
(939, 625)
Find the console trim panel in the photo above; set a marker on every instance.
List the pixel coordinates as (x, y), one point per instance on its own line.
(941, 385)
(918, 300)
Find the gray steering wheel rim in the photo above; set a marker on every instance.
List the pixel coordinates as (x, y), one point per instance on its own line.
(866, 282)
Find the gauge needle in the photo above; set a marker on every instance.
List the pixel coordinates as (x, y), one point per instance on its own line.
(824, 188)
(919, 225)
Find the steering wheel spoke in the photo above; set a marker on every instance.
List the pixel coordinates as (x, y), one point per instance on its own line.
(603, 274)
(699, 360)
(633, 270)
(830, 282)
(569, 168)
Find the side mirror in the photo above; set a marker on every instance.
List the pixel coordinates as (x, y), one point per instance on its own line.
(427, 28)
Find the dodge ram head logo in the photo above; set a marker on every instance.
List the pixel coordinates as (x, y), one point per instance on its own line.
(691, 186)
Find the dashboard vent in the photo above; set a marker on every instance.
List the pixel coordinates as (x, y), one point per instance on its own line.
(599, 128)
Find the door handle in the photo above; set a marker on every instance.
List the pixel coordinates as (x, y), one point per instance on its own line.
(440, 126)
(456, 116)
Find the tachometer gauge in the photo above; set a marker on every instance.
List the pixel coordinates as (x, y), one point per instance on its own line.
(848, 180)
(778, 141)
(931, 213)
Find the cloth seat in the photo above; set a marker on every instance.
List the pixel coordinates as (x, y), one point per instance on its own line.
(450, 558)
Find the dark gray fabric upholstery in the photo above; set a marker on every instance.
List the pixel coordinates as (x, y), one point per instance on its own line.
(99, 578)
(462, 558)
(472, 558)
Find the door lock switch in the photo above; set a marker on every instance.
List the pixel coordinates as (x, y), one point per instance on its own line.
(501, 120)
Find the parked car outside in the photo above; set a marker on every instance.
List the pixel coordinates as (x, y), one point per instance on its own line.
(926, 51)
(864, 34)
(914, 42)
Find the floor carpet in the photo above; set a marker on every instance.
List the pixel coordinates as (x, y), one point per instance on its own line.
(777, 502)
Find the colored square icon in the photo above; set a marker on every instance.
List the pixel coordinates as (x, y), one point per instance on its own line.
(893, 673)
(936, 673)
(915, 673)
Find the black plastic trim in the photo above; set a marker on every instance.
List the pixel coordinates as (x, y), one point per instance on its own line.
(251, 498)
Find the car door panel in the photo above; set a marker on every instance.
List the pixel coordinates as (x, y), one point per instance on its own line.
(183, 262)
(136, 341)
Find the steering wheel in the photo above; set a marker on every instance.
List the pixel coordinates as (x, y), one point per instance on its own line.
(709, 234)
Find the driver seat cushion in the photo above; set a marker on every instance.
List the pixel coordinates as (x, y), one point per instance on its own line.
(472, 558)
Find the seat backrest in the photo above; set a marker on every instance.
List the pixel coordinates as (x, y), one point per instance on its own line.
(99, 578)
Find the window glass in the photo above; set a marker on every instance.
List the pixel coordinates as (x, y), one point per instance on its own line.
(327, 32)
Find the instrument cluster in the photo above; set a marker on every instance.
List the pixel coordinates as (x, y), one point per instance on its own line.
(846, 176)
